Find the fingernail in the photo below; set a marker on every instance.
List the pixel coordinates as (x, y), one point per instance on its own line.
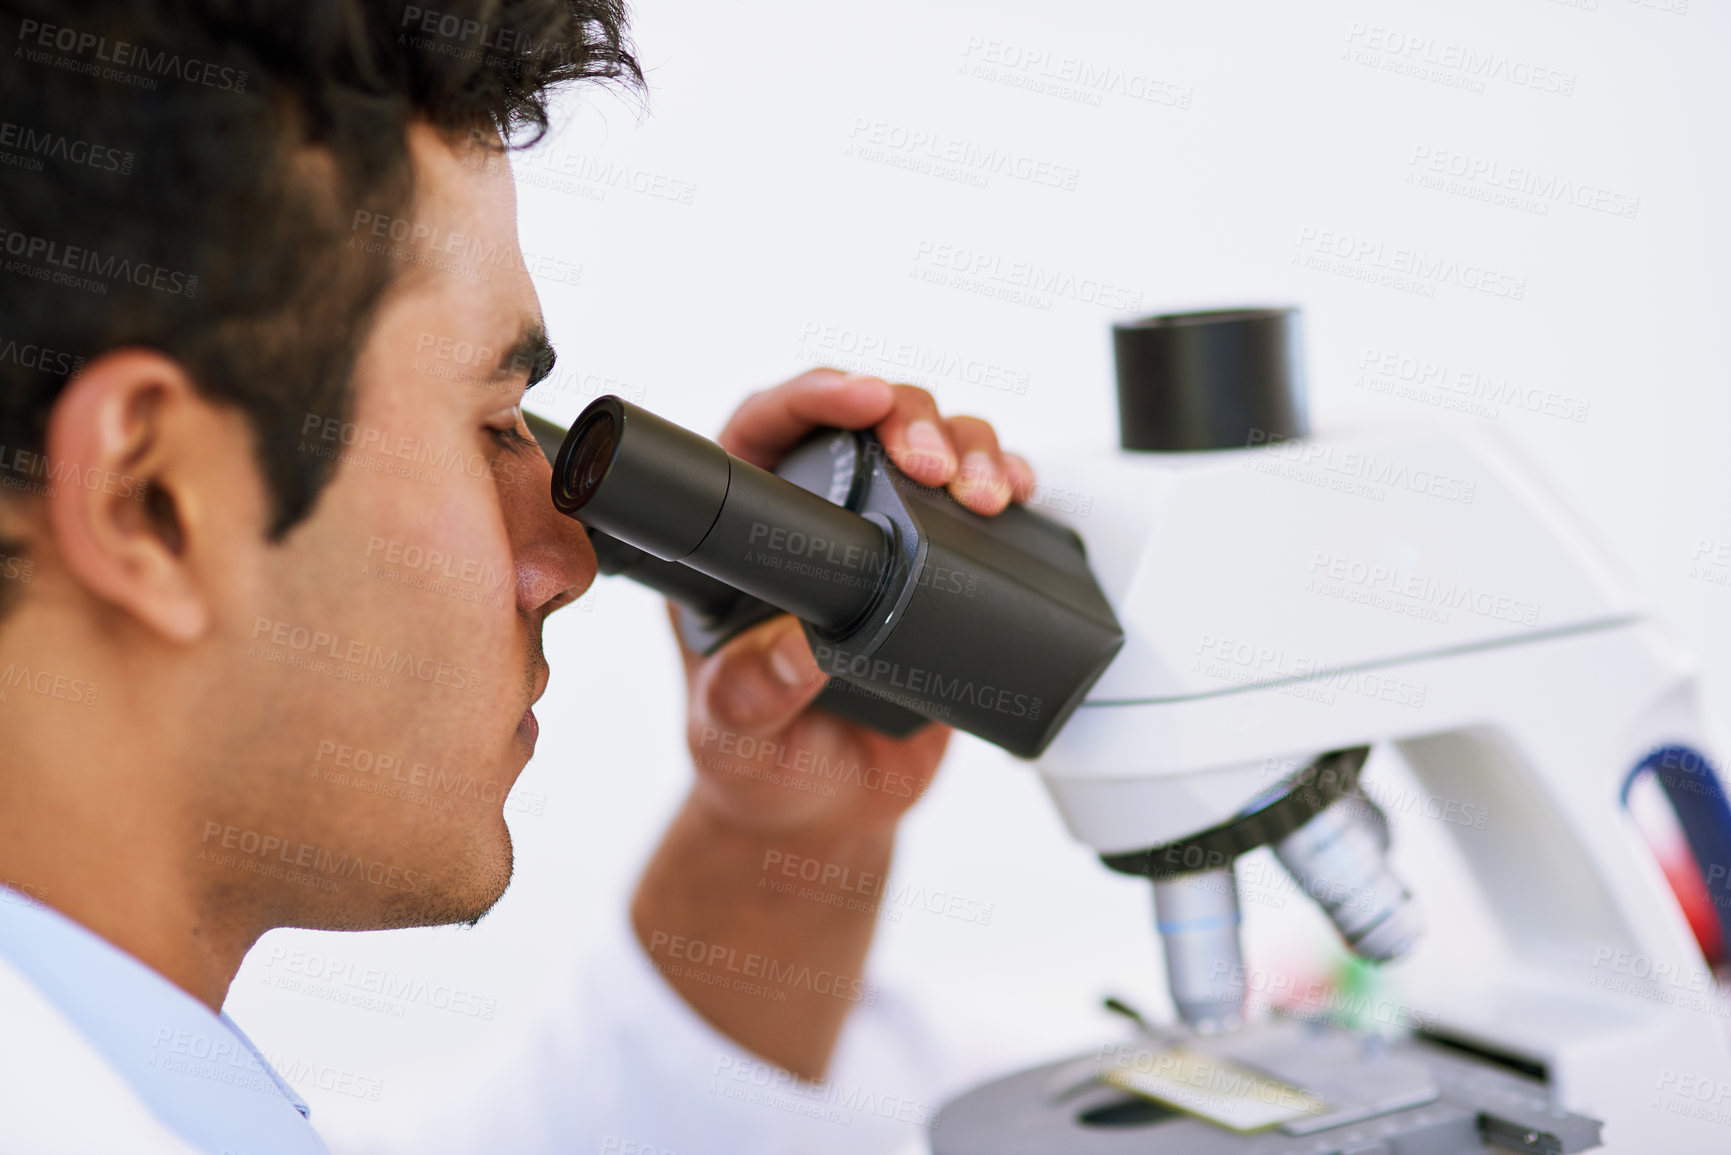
(925, 439)
(979, 471)
(790, 659)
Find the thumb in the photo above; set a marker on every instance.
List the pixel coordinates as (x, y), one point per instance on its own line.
(759, 681)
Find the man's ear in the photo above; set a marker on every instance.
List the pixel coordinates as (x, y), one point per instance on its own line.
(130, 446)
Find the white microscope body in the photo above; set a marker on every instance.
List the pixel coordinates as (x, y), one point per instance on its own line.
(1421, 590)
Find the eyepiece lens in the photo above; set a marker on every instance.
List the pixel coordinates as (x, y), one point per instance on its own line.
(597, 442)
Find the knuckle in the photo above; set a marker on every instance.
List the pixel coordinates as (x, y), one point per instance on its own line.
(976, 429)
(917, 397)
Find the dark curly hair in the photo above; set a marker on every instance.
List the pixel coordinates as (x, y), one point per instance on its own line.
(181, 174)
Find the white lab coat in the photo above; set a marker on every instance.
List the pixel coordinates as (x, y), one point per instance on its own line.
(625, 1067)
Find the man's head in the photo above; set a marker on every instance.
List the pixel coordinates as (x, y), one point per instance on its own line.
(264, 325)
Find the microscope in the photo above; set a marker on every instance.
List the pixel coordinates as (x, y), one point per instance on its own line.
(1226, 640)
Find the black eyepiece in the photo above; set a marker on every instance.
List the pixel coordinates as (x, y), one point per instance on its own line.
(681, 497)
(918, 608)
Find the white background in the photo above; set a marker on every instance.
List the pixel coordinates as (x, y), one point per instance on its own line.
(736, 234)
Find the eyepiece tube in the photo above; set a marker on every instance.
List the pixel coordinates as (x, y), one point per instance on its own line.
(699, 593)
(660, 485)
(682, 498)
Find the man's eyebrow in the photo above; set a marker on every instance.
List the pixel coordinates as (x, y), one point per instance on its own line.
(531, 353)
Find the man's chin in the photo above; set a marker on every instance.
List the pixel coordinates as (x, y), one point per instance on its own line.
(479, 910)
(470, 892)
(459, 889)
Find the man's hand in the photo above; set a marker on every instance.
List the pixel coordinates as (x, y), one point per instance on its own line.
(759, 685)
(780, 784)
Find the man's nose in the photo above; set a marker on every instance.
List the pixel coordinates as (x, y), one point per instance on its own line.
(555, 562)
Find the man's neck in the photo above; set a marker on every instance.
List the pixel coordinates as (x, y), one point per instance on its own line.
(113, 862)
(160, 929)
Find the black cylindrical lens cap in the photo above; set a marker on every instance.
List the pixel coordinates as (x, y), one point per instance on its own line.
(1223, 379)
(641, 478)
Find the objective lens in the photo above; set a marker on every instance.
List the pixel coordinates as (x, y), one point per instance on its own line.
(1198, 918)
(1338, 857)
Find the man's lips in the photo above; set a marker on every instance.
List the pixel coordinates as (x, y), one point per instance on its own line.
(528, 726)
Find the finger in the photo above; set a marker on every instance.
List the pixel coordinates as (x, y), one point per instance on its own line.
(981, 482)
(759, 682)
(1022, 480)
(914, 436)
(773, 421)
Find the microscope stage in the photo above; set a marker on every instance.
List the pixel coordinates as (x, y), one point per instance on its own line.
(1402, 1097)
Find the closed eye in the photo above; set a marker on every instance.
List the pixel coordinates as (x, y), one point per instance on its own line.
(511, 439)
